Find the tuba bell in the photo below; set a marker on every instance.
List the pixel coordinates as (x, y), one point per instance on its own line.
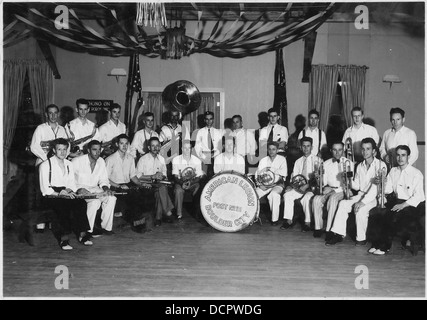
(182, 96)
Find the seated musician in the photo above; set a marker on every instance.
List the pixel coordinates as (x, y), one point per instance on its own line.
(333, 181)
(110, 130)
(186, 180)
(92, 179)
(228, 160)
(304, 167)
(406, 182)
(365, 199)
(152, 167)
(57, 179)
(122, 176)
(277, 165)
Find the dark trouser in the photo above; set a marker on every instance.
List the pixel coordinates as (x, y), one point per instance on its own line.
(132, 205)
(69, 216)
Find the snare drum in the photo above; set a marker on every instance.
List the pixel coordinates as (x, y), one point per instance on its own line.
(229, 202)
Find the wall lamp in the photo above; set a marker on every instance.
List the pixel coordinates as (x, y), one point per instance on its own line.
(391, 78)
(118, 72)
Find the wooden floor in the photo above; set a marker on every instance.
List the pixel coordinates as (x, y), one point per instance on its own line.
(187, 259)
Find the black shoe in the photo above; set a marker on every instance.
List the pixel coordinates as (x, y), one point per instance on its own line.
(96, 233)
(85, 240)
(138, 229)
(168, 219)
(65, 245)
(108, 233)
(336, 239)
(285, 225)
(306, 228)
(25, 235)
(361, 243)
(38, 230)
(274, 223)
(329, 235)
(158, 223)
(317, 233)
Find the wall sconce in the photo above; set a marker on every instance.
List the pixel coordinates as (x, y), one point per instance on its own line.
(391, 78)
(118, 72)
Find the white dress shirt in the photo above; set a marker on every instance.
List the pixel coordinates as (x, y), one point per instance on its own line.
(363, 180)
(44, 132)
(314, 134)
(392, 139)
(180, 163)
(279, 133)
(357, 135)
(167, 132)
(81, 130)
(149, 165)
(120, 170)
(84, 176)
(244, 142)
(278, 166)
(299, 165)
(407, 184)
(139, 139)
(332, 175)
(201, 146)
(224, 163)
(109, 130)
(58, 177)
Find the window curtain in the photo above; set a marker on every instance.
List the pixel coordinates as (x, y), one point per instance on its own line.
(13, 83)
(322, 89)
(41, 85)
(353, 89)
(155, 105)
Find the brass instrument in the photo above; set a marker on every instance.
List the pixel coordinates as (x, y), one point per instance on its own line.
(108, 148)
(347, 175)
(83, 196)
(298, 183)
(349, 149)
(188, 177)
(317, 188)
(156, 182)
(74, 144)
(381, 176)
(182, 96)
(266, 178)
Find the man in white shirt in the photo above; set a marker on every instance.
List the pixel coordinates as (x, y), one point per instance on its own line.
(364, 201)
(152, 167)
(398, 135)
(333, 180)
(92, 178)
(278, 166)
(110, 130)
(245, 143)
(313, 131)
(57, 179)
(139, 146)
(171, 136)
(186, 183)
(305, 167)
(406, 182)
(81, 129)
(208, 143)
(228, 160)
(273, 132)
(357, 132)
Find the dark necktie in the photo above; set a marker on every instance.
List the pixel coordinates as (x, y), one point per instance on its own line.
(336, 160)
(210, 140)
(270, 136)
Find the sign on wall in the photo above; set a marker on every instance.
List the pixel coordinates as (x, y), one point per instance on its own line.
(99, 105)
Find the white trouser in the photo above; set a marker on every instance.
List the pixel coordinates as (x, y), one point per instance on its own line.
(344, 208)
(332, 206)
(318, 205)
(273, 200)
(107, 214)
(289, 199)
(306, 207)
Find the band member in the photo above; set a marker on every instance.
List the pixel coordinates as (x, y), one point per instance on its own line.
(313, 131)
(228, 160)
(364, 201)
(303, 166)
(91, 177)
(406, 182)
(208, 143)
(40, 143)
(359, 131)
(111, 129)
(273, 132)
(139, 146)
(398, 135)
(57, 179)
(276, 164)
(245, 143)
(172, 132)
(151, 167)
(81, 128)
(333, 181)
(183, 183)
(122, 175)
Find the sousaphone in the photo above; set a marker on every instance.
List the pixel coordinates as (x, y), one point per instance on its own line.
(182, 96)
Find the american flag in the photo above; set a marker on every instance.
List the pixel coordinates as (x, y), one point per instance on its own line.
(134, 80)
(280, 100)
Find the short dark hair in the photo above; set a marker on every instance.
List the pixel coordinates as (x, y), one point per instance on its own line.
(273, 143)
(148, 114)
(81, 101)
(272, 110)
(116, 106)
(93, 143)
(338, 142)
(209, 113)
(404, 147)
(153, 139)
(356, 109)
(237, 116)
(50, 107)
(371, 141)
(121, 136)
(61, 141)
(314, 111)
(306, 139)
(397, 110)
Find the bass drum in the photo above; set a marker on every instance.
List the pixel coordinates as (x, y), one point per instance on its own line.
(229, 202)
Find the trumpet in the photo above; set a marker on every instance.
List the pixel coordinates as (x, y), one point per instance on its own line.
(347, 175)
(381, 176)
(318, 177)
(156, 182)
(349, 149)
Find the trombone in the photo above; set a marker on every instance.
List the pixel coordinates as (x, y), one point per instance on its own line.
(349, 149)
(381, 176)
(318, 177)
(348, 175)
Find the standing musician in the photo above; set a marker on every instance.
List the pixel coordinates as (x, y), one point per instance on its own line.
(228, 160)
(313, 131)
(152, 167)
(364, 201)
(139, 146)
(172, 132)
(305, 167)
(273, 132)
(333, 188)
(81, 128)
(357, 132)
(245, 143)
(40, 146)
(398, 135)
(122, 176)
(183, 182)
(57, 179)
(111, 129)
(277, 165)
(92, 177)
(208, 143)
